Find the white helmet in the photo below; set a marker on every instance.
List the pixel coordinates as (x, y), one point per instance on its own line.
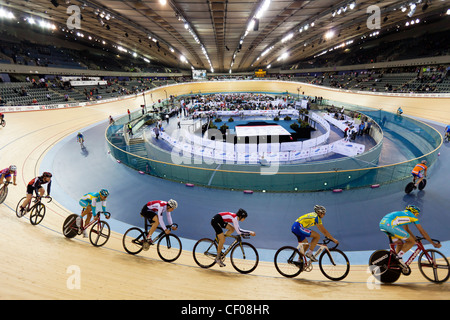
(12, 168)
(172, 203)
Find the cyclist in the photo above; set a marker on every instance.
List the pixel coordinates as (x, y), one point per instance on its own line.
(80, 138)
(399, 111)
(6, 174)
(447, 132)
(301, 229)
(35, 186)
(396, 225)
(153, 212)
(229, 221)
(89, 204)
(417, 172)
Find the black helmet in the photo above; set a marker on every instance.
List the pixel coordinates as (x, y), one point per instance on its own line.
(241, 213)
(47, 175)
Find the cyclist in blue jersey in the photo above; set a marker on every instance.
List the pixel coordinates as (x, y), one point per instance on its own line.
(89, 204)
(396, 225)
(447, 132)
(80, 138)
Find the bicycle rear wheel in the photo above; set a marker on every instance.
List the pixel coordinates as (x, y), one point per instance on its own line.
(70, 228)
(289, 262)
(37, 214)
(205, 252)
(434, 266)
(244, 257)
(133, 240)
(334, 264)
(3, 193)
(169, 247)
(99, 233)
(18, 213)
(378, 264)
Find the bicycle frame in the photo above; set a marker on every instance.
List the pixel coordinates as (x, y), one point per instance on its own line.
(237, 241)
(148, 225)
(416, 252)
(95, 220)
(322, 246)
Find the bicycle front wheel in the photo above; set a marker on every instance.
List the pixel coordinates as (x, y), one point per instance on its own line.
(205, 252)
(244, 257)
(169, 247)
(334, 264)
(3, 193)
(289, 261)
(37, 214)
(133, 240)
(434, 266)
(99, 233)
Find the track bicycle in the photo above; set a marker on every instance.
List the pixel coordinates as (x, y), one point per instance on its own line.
(3, 122)
(37, 210)
(243, 256)
(433, 265)
(333, 263)
(99, 233)
(4, 191)
(410, 186)
(168, 246)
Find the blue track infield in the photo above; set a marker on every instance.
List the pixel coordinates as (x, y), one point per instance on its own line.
(352, 216)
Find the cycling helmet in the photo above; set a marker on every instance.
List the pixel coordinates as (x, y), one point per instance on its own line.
(12, 168)
(172, 203)
(413, 209)
(241, 213)
(319, 209)
(47, 175)
(104, 193)
(424, 162)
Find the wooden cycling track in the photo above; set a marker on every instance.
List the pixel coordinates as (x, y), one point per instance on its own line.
(38, 262)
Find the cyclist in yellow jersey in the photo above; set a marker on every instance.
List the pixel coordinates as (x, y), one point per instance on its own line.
(301, 229)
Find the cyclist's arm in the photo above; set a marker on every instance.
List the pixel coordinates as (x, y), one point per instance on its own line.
(326, 233)
(160, 218)
(426, 236)
(49, 187)
(237, 228)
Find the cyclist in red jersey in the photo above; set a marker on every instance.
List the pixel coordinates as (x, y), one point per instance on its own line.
(229, 221)
(153, 211)
(7, 173)
(35, 186)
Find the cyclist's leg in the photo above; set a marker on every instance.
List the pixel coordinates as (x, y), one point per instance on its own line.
(218, 224)
(30, 191)
(420, 176)
(151, 217)
(302, 234)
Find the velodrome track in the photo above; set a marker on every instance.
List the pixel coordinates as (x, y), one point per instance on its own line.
(37, 261)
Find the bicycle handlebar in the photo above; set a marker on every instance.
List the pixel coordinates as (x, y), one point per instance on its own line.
(327, 241)
(422, 238)
(106, 213)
